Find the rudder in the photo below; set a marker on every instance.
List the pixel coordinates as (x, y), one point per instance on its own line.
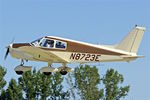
(132, 41)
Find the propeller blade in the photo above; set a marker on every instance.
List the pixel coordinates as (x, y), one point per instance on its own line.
(7, 52)
(12, 40)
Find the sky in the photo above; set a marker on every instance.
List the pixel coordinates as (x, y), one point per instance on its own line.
(92, 21)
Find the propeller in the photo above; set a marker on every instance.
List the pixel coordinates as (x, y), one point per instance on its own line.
(7, 52)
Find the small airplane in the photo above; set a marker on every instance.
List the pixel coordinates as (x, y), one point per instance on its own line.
(52, 49)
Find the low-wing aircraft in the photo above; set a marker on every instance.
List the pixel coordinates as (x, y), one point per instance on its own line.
(53, 49)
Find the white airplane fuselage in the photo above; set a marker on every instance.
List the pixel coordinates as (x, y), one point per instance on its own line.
(37, 53)
(53, 49)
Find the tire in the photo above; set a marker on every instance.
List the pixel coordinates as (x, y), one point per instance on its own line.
(63, 72)
(47, 73)
(19, 72)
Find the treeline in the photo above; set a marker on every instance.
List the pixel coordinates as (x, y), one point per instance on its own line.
(84, 83)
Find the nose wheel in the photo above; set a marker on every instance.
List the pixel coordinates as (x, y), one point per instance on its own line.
(20, 69)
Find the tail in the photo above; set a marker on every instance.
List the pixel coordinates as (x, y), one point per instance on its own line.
(132, 41)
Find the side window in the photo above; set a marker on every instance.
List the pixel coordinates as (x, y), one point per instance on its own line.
(60, 44)
(48, 43)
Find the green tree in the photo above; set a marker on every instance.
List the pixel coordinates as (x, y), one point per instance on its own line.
(56, 92)
(3, 95)
(29, 82)
(51, 87)
(71, 84)
(14, 91)
(44, 85)
(112, 81)
(2, 82)
(2, 74)
(87, 80)
(37, 85)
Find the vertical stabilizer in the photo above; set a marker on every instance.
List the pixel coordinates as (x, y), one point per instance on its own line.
(132, 41)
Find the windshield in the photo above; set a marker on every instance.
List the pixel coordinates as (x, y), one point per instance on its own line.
(36, 42)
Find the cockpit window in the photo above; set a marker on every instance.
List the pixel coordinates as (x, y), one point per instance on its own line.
(50, 43)
(36, 42)
(47, 43)
(60, 44)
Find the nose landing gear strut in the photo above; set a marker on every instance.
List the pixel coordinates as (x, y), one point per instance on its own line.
(21, 68)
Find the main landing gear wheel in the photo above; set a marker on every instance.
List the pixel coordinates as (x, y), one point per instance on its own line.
(47, 70)
(63, 72)
(47, 73)
(19, 72)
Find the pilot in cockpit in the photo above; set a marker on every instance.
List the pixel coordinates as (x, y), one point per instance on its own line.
(49, 43)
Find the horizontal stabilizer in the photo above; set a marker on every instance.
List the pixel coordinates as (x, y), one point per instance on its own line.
(132, 56)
